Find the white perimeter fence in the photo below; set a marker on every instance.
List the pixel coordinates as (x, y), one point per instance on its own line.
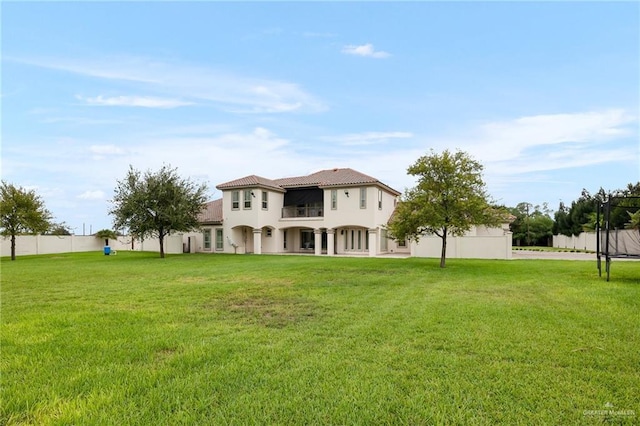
(469, 247)
(48, 244)
(584, 241)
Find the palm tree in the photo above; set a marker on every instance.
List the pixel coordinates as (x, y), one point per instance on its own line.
(590, 226)
(634, 222)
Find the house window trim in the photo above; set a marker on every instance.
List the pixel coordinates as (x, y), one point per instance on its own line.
(219, 241)
(379, 199)
(334, 199)
(206, 239)
(265, 200)
(363, 198)
(246, 199)
(235, 200)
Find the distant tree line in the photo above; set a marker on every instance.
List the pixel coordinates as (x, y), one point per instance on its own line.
(534, 225)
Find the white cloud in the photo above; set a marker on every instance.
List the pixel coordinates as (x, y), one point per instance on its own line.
(369, 138)
(546, 142)
(513, 151)
(134, 101)
(106, 150)
(365, 50)
(228, 91)
(79, 120)
(510, 138)
(92, 195)
(94, 68)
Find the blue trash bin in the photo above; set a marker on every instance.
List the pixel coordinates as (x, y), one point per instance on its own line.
(107, 250)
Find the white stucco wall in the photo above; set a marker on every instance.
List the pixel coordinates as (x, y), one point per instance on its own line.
(584, 241)
(49, 244)
(349, 213)
(467, 247)
(239, 225)
(236, 223)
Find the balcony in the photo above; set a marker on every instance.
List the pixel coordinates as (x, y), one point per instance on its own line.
(296, 212)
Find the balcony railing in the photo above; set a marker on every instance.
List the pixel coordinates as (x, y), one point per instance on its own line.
(293, 212)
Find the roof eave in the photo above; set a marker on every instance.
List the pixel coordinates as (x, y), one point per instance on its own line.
(355, 185)
(250, 186)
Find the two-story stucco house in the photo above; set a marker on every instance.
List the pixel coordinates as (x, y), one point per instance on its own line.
(337, 211)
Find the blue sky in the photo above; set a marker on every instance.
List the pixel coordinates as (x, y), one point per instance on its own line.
(544, 94)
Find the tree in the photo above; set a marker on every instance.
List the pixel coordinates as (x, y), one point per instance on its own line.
(106, 234)
(157, 204)
(449, 199)
(582, 216)
(532, 224)
(627, 202)
(634, 221)
(21, 212)
(59, 229)
(562, 221)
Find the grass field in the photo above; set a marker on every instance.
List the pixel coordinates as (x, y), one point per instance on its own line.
(200, 339)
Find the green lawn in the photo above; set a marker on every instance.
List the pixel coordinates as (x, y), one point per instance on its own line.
(200, 339)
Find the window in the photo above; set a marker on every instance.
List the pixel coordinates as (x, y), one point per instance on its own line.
(206, 236)
(219, 240)
(359, 239)
(379, 199)
(247, 199)
(265, 200)
(363, 198)
(284, 239)
(334, 199)
(235, 200)
(402, 243)
(269, 232)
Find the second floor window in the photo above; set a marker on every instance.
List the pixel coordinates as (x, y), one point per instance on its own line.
(265, 200)
(379, 199)
(363, 198)
(235, 200)
(334, 199)
(247, 199)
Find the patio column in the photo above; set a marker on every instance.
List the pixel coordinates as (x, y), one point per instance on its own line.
(331, 234)
(317, 241)
(257, 240)
(373, 241)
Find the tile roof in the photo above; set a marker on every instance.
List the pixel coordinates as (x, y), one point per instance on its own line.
(330, 177)
(323, 178)
(252, 180)
(212, 212)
